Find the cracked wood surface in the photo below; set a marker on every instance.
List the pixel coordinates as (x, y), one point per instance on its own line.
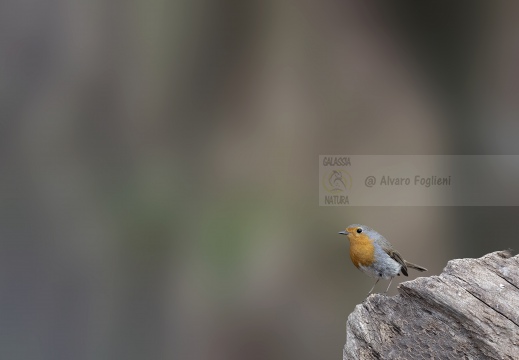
(470, 311)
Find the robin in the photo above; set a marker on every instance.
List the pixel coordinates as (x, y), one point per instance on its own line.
(372, 254)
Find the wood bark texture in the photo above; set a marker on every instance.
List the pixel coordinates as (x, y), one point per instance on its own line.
(470, 311)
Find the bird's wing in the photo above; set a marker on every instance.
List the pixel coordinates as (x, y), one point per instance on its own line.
(395, 255)
(398, 258)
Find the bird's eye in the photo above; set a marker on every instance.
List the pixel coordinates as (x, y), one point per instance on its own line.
(359, 230)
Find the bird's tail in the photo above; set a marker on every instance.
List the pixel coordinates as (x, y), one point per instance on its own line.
(414, 266)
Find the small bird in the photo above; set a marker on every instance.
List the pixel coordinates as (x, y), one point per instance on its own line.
(372, 254)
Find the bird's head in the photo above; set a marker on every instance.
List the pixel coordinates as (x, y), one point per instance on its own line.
(356, 232)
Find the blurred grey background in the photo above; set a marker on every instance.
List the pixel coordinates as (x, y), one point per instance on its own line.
(159, 165)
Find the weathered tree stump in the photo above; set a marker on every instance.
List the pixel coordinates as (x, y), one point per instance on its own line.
(470, 311)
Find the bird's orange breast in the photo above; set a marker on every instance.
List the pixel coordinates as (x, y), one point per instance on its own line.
(362, 251)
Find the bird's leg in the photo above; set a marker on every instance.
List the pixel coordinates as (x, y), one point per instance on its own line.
(390, 281)
(373, 286)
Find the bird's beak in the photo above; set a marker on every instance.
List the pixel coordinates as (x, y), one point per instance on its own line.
(343, 232)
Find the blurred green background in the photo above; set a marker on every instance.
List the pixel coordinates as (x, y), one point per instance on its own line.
(159, 165)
